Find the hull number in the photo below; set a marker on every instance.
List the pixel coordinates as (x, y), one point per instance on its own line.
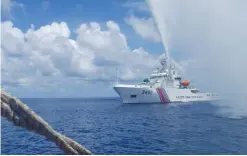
(147, 92)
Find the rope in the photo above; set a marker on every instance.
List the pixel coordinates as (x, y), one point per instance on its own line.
(21, 115)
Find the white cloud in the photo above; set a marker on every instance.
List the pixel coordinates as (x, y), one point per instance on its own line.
(145, 27)
(48, 54)
(8, 5)
(137, 6)
(46, 5)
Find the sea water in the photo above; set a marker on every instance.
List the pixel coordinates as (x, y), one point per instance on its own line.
(105, 126)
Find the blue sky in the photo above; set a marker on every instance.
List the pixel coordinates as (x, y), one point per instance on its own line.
(24, 13)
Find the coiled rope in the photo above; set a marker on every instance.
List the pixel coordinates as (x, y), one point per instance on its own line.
(21, 115)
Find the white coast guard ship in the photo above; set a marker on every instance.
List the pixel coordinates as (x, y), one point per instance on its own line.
(163, 86)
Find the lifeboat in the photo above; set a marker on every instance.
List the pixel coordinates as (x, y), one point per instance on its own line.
(185, 83)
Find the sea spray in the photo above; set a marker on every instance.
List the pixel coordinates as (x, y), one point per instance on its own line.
(162, 24)
(212, 36)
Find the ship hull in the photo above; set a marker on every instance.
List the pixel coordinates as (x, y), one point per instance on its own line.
(146, 94)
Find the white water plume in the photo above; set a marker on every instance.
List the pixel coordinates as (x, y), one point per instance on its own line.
(212, 34)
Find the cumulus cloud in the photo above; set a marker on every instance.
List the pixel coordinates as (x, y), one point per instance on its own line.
(47, 54)
(144, 27)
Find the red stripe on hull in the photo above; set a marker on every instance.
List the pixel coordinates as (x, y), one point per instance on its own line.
(159, 94)
(162, 97)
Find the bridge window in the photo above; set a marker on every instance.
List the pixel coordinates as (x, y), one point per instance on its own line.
(133, 96)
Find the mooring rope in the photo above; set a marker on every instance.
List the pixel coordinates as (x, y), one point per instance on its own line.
(21, 115)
